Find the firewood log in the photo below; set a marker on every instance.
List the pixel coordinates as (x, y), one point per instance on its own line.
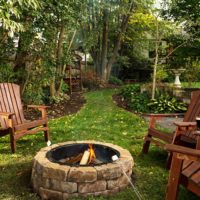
(85, 158)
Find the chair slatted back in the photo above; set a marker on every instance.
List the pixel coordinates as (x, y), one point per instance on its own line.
(192, 112)
(194, 108)
(10, 101)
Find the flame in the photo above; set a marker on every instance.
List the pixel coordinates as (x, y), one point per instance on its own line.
(92, 153)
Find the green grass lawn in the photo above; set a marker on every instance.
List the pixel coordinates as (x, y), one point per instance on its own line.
(191, 85)
(100, 119)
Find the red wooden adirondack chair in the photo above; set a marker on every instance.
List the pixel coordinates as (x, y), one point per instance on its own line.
(183, 133)
(185, 170)
(12, 117)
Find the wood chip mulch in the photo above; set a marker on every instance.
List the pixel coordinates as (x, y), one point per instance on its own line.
(73, 105)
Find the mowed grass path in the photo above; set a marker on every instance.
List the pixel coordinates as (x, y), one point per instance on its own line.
(100, 119)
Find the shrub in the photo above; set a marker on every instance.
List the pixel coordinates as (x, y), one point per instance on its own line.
(59, 98)
(141, 102)
(164, 103)
(128, 91)
(33, 94)
(90, 80)
(35, 86)
(7, 74)
(65, 87)
(114, 80)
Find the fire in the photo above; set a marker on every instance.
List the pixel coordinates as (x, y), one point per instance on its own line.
(92, 153)
(88, 156)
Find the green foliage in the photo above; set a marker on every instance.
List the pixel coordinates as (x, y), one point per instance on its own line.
(35, 87)
(161, 73)
(11, 12)
(141, 102)
(185, 11)
(142, 32)
(65, 88)
(33, 94)
(190, 85)
(136, 100)
(7, 74)
(114, 80)
(128, 91)
(165, 103)
(192, 71)
(58, 98)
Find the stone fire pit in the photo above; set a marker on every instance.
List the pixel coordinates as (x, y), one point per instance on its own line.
(55, 181)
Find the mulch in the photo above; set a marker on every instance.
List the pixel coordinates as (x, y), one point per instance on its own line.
(66, 107)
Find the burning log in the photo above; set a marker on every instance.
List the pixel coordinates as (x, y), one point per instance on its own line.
(88, 156)
(72, 160)
(85, 158)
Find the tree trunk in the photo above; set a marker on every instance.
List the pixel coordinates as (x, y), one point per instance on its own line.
(21, 55)
(60, 50)
(117, 44)
(157, 43)
(58, 79)
(154, 73)
(28, 69)
(64, 65)
(104, 47)
(52, 87)
(96, 59)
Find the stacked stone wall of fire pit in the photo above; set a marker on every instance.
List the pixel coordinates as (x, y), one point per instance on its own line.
(54, 181)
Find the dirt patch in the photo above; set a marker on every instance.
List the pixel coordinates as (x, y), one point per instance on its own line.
(66, 107)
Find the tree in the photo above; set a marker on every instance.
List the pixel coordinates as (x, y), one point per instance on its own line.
(186, 44)
(10, 14)
(43, 42)
(152, 30)
(104, 31)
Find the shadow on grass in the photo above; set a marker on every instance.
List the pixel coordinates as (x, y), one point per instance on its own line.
(16, 181)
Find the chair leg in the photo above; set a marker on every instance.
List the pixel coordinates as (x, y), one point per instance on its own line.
(46, 133)
(12, 142)
(146, 144)
(174, 177)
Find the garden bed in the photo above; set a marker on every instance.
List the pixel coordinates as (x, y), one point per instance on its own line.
(63, 108)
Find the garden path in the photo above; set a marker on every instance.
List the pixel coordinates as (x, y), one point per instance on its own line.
(167, 122)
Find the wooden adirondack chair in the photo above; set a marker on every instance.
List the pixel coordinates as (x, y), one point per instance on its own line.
(183, 133)
(185, 170)
(12, 117)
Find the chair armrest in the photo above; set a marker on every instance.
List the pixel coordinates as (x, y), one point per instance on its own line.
(183, 150)
(7, 114)
(185, 124)
(38, 106)
(41, 108)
